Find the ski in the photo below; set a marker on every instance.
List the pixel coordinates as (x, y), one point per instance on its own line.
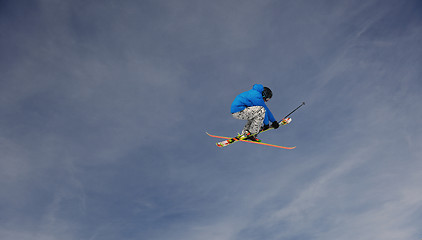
(238, 137)
(235, 139)
(286, 120)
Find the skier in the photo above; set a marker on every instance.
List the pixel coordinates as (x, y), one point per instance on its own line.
(250, 106)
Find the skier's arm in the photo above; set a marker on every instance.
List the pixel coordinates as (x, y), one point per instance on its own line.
(270, 115)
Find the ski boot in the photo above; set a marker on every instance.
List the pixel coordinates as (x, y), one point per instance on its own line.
(247, 136)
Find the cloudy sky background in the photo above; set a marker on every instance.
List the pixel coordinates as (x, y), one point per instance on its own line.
(104, 107)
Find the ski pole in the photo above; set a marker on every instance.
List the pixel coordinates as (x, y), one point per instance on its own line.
(303, 103)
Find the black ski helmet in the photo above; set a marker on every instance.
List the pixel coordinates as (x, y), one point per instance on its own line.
(267, 93)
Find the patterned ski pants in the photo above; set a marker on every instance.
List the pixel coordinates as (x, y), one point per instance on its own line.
(255, 116)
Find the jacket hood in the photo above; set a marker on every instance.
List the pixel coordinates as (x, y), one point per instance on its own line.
(258, 87)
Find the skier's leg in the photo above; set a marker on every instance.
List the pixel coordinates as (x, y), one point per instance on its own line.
(255, 116)
(247, 126)
(257, 121)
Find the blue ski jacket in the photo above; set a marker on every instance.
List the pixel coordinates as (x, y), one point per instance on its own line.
(251, 98)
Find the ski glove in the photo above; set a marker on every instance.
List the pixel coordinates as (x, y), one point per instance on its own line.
(275, 125)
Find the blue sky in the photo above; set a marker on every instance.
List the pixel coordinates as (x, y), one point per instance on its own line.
(104, 107)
